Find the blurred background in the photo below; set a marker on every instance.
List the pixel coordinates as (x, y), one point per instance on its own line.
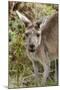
(20, 69)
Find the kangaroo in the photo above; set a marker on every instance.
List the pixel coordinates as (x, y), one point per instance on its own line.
(41, 42)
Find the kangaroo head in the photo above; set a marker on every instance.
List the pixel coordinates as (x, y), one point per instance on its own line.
(32, 33)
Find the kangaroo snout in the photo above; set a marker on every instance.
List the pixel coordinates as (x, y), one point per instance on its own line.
(31, 48)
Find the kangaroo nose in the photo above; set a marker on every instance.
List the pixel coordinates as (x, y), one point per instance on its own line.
(32, 46)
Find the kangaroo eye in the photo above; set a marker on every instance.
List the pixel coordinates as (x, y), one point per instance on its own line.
(38, 34)
(26, 34)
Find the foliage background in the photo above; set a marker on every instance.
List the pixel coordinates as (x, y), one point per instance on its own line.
(21, 72)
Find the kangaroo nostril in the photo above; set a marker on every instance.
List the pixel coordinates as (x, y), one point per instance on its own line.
(32, 46)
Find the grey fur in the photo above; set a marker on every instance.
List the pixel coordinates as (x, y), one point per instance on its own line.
(45, 41)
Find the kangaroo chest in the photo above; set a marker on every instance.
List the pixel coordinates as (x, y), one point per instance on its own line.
(35, 57)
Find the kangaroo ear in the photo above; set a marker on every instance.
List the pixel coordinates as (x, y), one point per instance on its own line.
(23, 18)
(49, 22)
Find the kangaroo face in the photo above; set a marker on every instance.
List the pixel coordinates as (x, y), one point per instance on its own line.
(32, 38)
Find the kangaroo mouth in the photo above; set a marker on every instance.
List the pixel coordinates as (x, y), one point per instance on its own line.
(31, 50)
